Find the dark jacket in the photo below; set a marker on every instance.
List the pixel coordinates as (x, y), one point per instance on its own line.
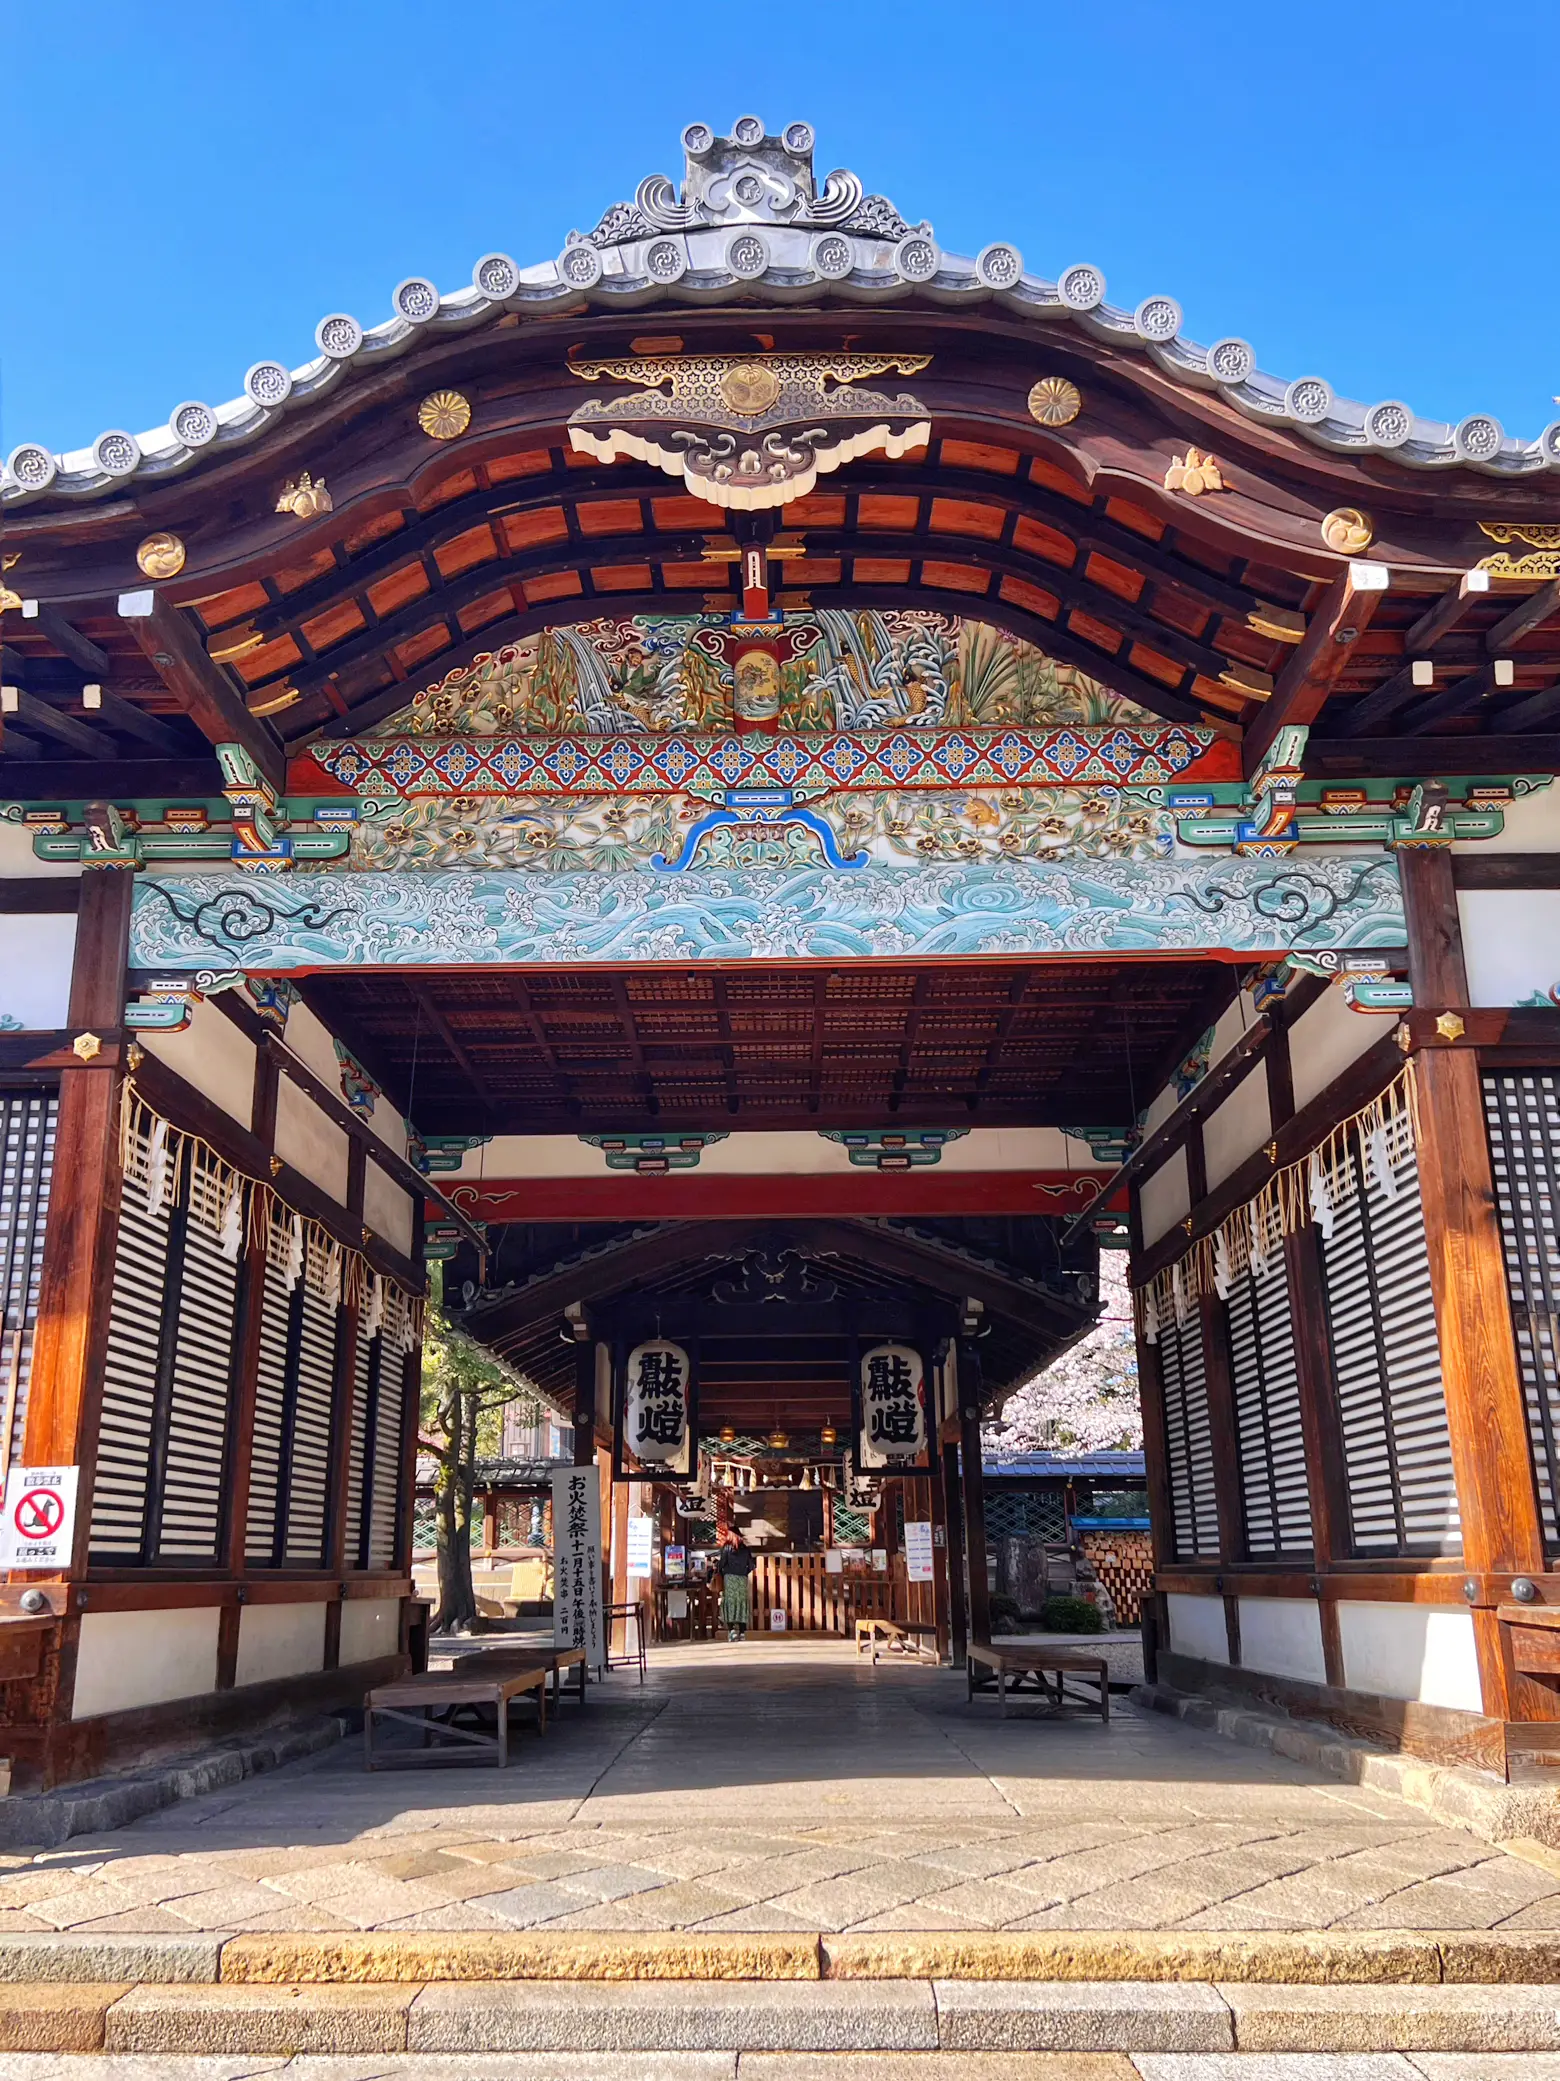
(735, 1560)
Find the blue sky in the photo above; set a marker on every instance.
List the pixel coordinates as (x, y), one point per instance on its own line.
(1366, 192)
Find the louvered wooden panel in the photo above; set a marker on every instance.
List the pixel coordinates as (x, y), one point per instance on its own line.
(1387, 1365)
(1266, 1384)
(308, 1471)
(27, 1126)
(119, 1492)
(1522, 1108)
(1189, 1439)
(198, 1402)
(385, 1504)
(276, 1311)
(365, 1368)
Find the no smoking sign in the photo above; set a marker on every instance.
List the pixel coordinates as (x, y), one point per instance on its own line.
(39, 1525)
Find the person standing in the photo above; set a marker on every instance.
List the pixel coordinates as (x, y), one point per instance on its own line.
(736, 1593)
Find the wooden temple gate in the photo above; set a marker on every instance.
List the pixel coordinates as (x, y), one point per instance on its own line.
(760, 733)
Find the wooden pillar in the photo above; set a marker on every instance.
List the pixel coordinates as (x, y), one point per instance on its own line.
(958, 1622)
(973, 1485)
(1485, 1409)
(938, 1506)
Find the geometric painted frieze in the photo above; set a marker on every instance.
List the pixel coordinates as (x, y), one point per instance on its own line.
(894, 1149)
(812, 765)
(940, 910)
(652, 1155)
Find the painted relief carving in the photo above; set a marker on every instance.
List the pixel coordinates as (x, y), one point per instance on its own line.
(845, 671)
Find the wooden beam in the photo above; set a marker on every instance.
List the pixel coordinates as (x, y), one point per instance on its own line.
(110, 779)
(1423, 635)
(1414, 757)
(1532, 711)
(1301, 691)
(972, 1485)
(39, 717)
(131, 721)
(1536, 609)
(200, 687)
(67, 640)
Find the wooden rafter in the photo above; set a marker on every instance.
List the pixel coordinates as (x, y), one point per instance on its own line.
(200, 687)
(1340, 619)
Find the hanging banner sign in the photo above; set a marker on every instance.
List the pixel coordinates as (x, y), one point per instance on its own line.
(891, 1410)
(40, 1517)
(577, 1616)
(658, 1407)
(918, 1551)
(641, 1546)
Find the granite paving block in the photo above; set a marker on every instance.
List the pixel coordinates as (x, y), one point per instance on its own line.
(1384, 2019)
(1274, 2066)
(1080, 2016)
(1486, 2066)
(662, 2016)
(226, 2018)
(55, 2016)
(936, 2066)
(128, 1958)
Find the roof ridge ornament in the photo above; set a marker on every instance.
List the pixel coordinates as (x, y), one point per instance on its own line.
(750, 177)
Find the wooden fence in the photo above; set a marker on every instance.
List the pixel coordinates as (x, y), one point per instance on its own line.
(813, 1600)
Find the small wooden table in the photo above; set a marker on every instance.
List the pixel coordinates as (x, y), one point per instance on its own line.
(901, 1639)
(410, 1701)
(1009, 1666)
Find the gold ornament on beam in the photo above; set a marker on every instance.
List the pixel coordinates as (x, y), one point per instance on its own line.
(306, 499)
(1054, 401)
(160, 556)
(1348, 531)
(1543, 540)
(444, 415)
(1194, 473)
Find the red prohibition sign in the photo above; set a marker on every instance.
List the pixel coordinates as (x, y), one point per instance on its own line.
(39, 1514)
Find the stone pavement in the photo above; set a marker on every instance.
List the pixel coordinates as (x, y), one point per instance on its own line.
(783, 1785)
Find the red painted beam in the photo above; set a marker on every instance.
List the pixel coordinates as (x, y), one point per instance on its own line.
(795, 1196)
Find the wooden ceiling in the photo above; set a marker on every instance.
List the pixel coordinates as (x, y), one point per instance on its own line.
(280, 629)
(584, 1050)
(756, 1369)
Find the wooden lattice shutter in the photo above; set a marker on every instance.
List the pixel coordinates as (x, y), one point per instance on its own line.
(191, 1442)
(1266, 1386)
(130, 1374)
(1386, 1356)
(28, 1120)
(278, 1314)
(1189, 1438)
(389, 1408)
(1523, 1111)
(365, 1383)
(308, 1462)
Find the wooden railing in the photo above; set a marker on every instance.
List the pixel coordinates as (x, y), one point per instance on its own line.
(813, 1600)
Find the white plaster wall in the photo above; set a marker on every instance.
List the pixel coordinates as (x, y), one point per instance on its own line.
(756, 1153)
(387, 1209)
(1282, 1636)
(1511, 944)
(18, 861)
(213, 1055)
(35, 963)
(309, 1142)
(1239, 1127)
(370, 1627)
(1159, 1109)
(1232, 1023)
(1419, 1651)
(131, 1658)
(388, 1125)
(280, 1640)
(310, 1041)
(1325, 1039)
(1164, 1198)
(1532, 826)
(1197, 1627)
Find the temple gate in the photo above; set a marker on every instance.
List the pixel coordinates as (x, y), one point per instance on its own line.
(763, 788)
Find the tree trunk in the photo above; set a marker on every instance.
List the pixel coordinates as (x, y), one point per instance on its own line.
(457, 1599)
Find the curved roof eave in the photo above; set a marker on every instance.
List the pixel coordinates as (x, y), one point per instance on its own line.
(702, 268)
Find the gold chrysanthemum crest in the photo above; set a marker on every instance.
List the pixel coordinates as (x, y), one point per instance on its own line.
(1054, 401)
(444, 415)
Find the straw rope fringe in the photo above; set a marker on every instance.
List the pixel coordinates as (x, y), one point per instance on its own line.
(237, 1209)
(1309, 1190)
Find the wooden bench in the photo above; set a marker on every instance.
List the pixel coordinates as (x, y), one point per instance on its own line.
(410, 1702)
(899, 1639)
(500, 1660)
(1009, 1666)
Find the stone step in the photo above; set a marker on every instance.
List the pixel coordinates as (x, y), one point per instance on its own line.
(1325, 1958)
(963, 2018)
(794, 2066)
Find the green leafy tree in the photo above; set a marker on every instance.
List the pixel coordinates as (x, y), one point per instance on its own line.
(465, 1390)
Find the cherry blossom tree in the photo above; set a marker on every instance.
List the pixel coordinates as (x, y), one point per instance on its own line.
(1087, 1400)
